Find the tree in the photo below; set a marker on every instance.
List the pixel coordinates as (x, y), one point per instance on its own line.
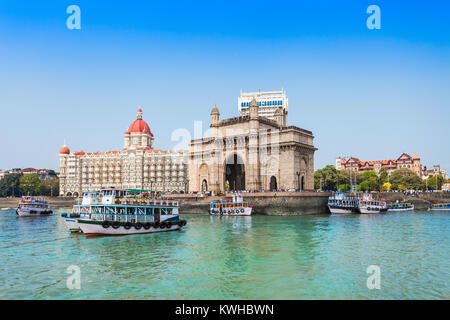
(9, 185)
(406, 178)
(386, 186)
(430, 183)
(30, 184)
(325, 177)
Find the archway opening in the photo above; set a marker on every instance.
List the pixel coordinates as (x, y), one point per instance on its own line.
(234, 173)
(204, 185)
(273, 183)
(75, 194)
(302, 184)
(69, 194)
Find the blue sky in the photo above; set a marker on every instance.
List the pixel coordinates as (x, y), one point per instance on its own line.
(372, 94)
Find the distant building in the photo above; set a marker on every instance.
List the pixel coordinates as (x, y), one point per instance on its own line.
(404, 161)
(269, 102)
(43, 174)
(433, 172)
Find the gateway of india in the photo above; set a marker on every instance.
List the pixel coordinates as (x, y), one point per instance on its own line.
(256, 151)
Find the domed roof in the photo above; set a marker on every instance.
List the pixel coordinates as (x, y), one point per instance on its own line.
(64, 150)
(139, 125)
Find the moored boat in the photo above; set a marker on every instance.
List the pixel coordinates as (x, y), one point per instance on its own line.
(371, 204)
(33, 207)
(341, 202)
(235, 207)
(121, 212)
(400, 206)
(444, 206)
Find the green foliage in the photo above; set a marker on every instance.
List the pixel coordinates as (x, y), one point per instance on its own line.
(49, 188)
(330, 178)
(9, 185)
(430, 182)
(30, 184)
(18, 185)
(405, 179)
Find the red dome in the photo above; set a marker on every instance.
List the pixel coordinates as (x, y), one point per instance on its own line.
(139, 125)
(64, 150)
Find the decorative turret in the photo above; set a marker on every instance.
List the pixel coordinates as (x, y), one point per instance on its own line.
(215, 116)
(138, 134)
(278, 115)
(253, 109)
(64, 149)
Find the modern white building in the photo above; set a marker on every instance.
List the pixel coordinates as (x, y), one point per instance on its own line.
(137, 166)
(268, 103)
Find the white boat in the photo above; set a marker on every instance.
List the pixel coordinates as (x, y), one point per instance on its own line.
(236, 207)
(121, 212)
(341, 202)
(33, 207)
(400, 206)
(370, 204)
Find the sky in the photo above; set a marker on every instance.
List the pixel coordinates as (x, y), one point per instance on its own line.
(368, 93)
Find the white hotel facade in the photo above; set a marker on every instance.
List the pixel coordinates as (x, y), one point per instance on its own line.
(137, 166)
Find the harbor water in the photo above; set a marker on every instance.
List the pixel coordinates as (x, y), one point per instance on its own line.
(258, 257)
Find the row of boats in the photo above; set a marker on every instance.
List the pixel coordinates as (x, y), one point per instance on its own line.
(127, 211)
(363, 203)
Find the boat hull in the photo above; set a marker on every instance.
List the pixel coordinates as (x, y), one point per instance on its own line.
(341, 210)
(371, 209)
(90, 228)
(72, 224)
(440, 209)
(33, 212)
(401, 209)
(245, 211)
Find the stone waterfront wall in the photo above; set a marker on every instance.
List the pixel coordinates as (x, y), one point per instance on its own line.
(266, 203)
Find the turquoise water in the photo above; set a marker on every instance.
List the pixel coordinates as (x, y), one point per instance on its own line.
(259, 257)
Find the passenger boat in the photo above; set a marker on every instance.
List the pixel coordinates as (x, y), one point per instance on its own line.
(234, 207)
(81, 210)
(121, 212)
(33, 207)
(445, 206)
(341, 202)
(370, 204)
(400, 206)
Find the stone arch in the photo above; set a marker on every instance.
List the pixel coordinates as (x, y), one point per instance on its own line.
(273, 183)
(75, 194)
(203, 176)
(234, 172)
(69, 194)
(204, 185)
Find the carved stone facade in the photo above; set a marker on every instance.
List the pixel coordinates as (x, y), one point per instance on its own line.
(251, 152)
(137, 166)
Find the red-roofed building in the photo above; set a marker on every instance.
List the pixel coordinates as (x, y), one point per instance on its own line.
(137, 166)
(404, 161)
